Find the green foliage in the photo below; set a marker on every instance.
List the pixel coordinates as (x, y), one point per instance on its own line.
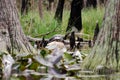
(34, 26)
(44, 52)
(67, 56)
(89, 17)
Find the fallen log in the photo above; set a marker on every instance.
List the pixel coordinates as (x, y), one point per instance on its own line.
(66, 42)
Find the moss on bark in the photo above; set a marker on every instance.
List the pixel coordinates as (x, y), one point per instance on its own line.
(106, 51)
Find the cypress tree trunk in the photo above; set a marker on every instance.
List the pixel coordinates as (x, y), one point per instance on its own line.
(18, 2)
(25, 6)
(12, 38)
(90, 3)
(106, 51)
(101, 2)
(40, 9)
(75, 19)
(50, 7)
(59, 10)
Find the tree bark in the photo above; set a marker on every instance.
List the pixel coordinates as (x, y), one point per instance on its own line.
(106, 51)
(75, 19)
(40, 9)
(25, 6)
(12, 38)
(90, 3)
(18, 2)
(101, 2)
(50, 7)
(59, 11)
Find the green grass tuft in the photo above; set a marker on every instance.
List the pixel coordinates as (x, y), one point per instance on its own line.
(90, 17)
(34, 26)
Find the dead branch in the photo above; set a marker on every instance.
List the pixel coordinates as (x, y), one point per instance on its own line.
(66, 42)
(54, 30)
